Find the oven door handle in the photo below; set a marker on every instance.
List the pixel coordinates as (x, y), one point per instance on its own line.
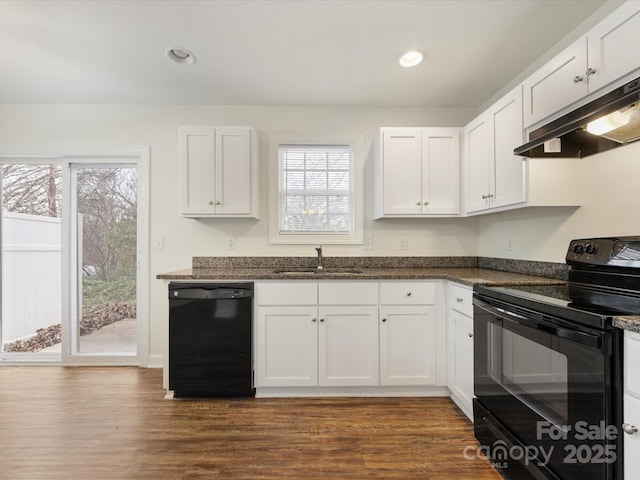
(576, 336)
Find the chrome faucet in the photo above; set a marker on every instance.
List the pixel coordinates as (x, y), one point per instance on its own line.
(319, 250)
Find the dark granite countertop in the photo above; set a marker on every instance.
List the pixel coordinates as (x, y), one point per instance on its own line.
(631, 323)
(467, 276)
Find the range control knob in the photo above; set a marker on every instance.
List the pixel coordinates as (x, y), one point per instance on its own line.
(591, 249)
(578, 249)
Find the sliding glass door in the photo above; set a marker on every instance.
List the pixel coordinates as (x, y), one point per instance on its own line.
(104, 259)
(74, 258)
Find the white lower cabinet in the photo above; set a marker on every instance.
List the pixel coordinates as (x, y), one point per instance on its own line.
(348, 345)
(347, 334)
(460, 346)
(287, 350)
(408, 345)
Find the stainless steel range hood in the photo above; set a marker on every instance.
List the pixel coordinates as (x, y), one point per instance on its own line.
(610, 121)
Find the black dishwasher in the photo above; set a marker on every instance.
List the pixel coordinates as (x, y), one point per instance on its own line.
(210, 339)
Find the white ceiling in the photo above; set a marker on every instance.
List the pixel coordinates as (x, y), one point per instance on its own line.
(274, 52)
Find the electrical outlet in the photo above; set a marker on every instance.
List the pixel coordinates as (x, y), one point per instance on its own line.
(231, 243)
(510, 244)
(403, 243)
(368, 243)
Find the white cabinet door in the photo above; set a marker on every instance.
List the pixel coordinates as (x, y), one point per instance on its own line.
(233, 192)
(509, 170)
(461, 384)
(197, 186)
(407, 345)
(631, 440)
(494, 176)
(440, 171)
(287, 346)
(418, 170)
(557, 84)
(478, 160)
(401, 171)
(612, 51)
(348, 346)
(219, 172)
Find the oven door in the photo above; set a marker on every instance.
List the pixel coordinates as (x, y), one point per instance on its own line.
(547, 382)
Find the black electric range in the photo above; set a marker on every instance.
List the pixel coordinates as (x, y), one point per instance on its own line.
(548, 357)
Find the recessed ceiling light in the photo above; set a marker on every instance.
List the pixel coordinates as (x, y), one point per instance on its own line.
(180, 55)
(411, 59)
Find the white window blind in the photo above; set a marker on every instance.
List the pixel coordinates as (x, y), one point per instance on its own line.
(316, 189)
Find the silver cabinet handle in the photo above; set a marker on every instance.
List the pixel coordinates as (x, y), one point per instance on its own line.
(408, 294)
(459, 300)
(313, 319)
(384, 319)
(629, 429)
(322, 320)
(470, 335)
(419, 203)
(590, 71)
(218, 202)
(210, 202)
(426, 203)
(578, 79)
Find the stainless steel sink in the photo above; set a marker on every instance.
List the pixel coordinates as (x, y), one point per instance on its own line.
(325, 271)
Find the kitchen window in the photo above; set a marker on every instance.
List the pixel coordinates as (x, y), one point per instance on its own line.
(317, 183)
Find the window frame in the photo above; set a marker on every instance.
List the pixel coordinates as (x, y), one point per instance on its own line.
(353, 141)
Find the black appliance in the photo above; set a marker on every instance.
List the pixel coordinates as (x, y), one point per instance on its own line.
(548, 366)
(607, 122)
(210, 339)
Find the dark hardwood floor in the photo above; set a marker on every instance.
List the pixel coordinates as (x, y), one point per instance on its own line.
(113, 423)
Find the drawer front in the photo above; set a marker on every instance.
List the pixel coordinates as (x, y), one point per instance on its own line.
(460, 298)
(347, 293)
(286, 293)
(408, 293)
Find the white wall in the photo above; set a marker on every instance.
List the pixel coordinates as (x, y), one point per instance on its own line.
(610, 207)
(157, 126)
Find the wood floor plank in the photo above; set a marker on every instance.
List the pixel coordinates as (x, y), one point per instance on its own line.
(113, 423)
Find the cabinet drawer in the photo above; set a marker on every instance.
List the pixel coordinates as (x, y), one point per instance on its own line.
(460, 298)
(286, 293)
(408, 293)
(348, 293)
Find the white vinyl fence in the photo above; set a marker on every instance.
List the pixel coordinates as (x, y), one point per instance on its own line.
(31, 274)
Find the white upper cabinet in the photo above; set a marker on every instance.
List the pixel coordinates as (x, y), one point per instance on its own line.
(219, 171)
(603, 56)
(495, 177)
(612, 46)
(417, 172)
(559, 83)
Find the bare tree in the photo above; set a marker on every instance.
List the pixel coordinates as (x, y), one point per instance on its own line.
(31, 189)
(107, 201)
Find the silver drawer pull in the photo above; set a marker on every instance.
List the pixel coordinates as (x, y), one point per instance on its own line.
(408, 294)
(470, 335)
(629, 429)
(459, 300)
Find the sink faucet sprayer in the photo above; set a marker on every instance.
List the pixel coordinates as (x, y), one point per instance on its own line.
(319, 250)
